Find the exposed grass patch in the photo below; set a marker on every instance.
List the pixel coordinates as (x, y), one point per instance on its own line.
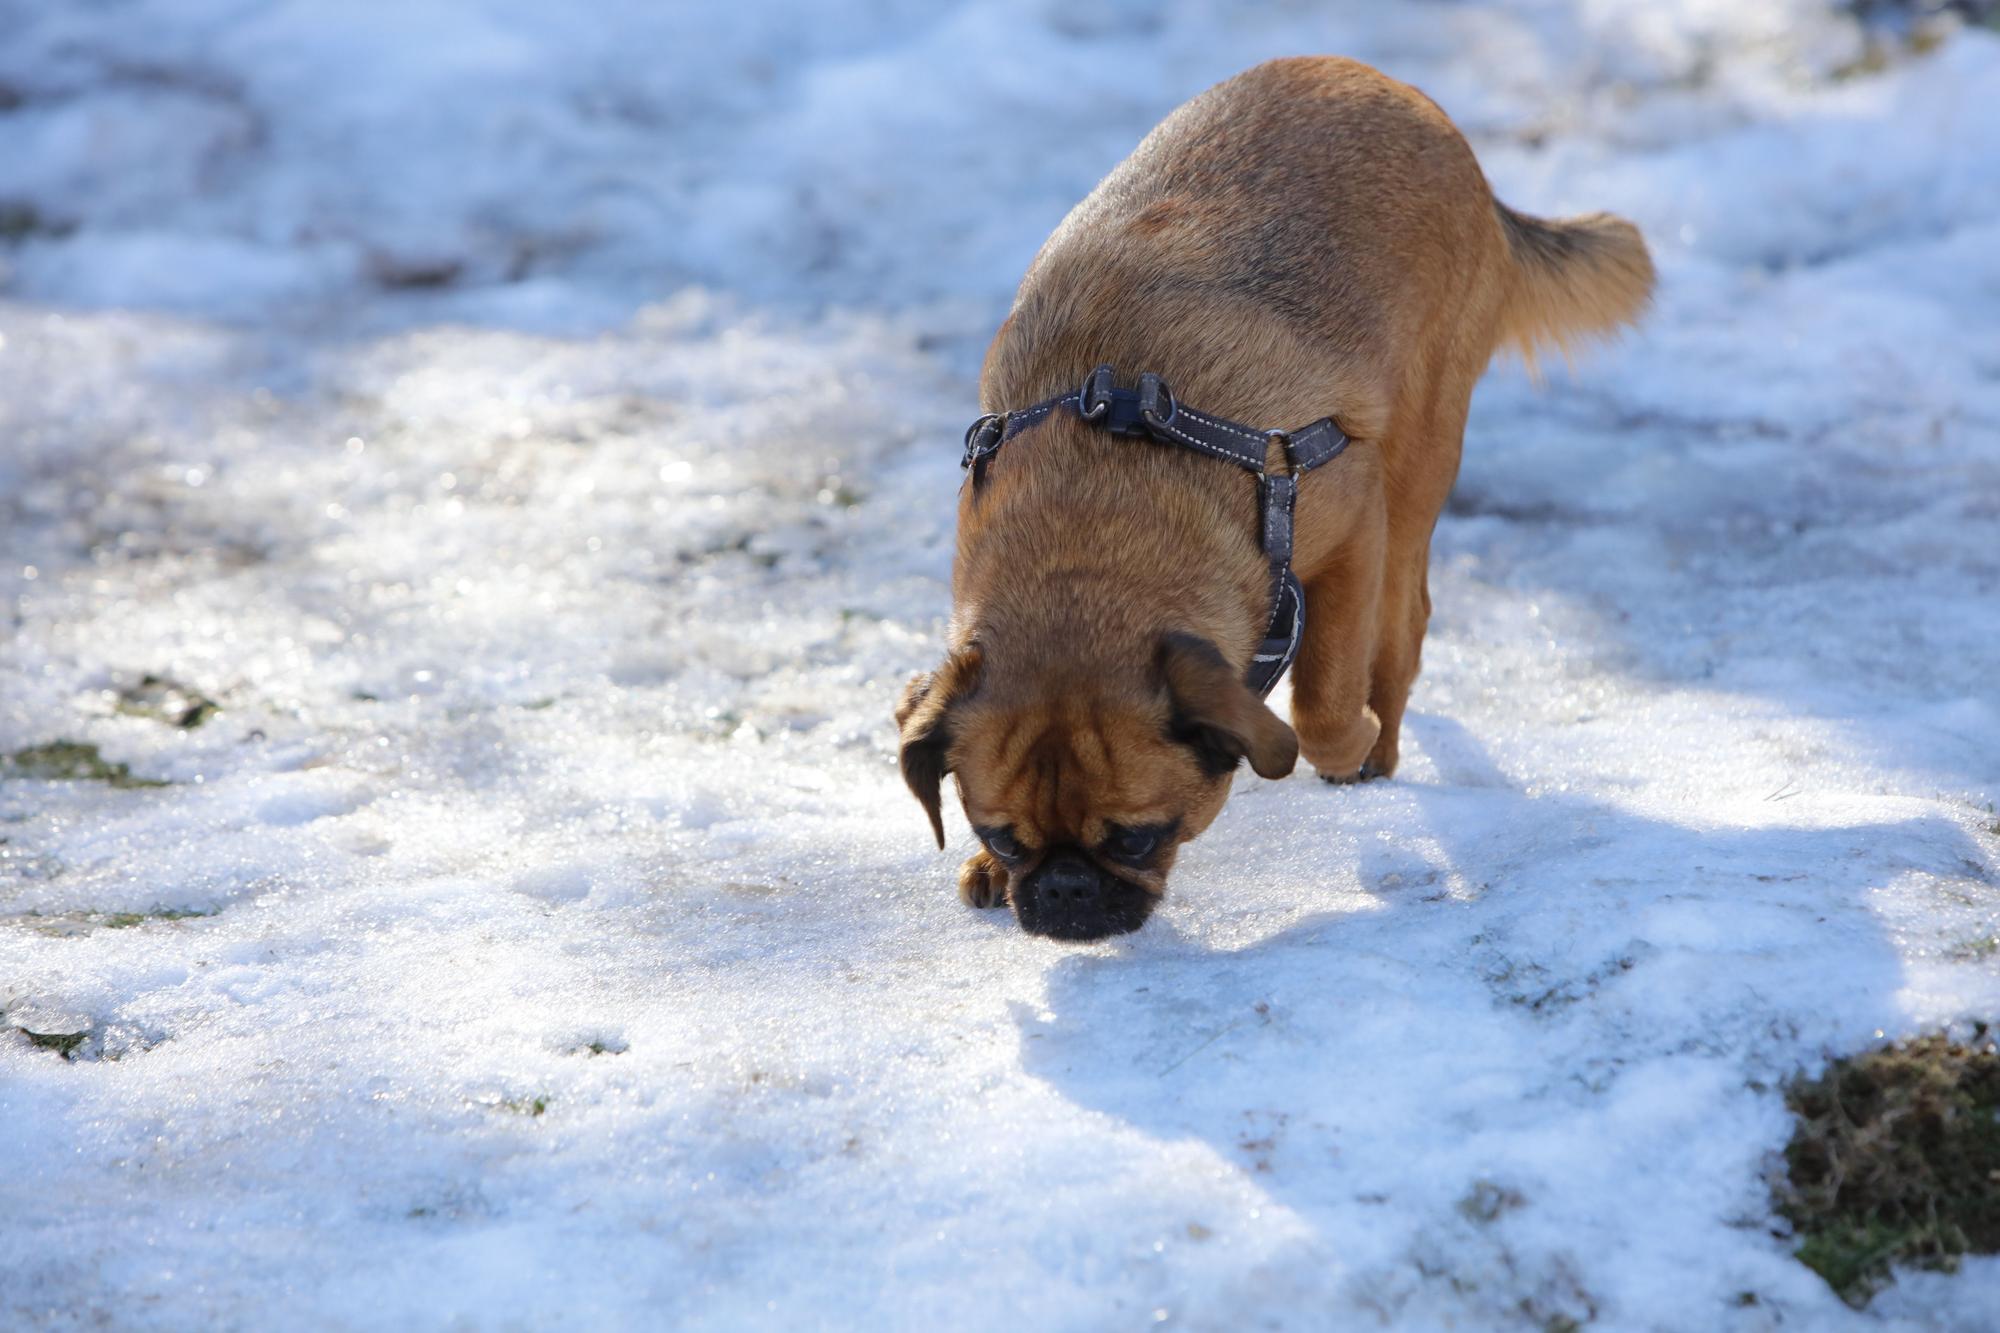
(127, 920)
(64, 925)
(1983, 13)
(1896, 1160)
(166, 701)
(1896, 30)
(527, 1106)
(62, 1043)
(63, 1033)
(70, 761)
(79, 1040)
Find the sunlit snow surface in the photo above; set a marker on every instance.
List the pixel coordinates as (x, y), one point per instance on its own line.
(572, 955)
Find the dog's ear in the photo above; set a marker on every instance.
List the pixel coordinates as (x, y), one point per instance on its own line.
(1216, 713)
(923, 715)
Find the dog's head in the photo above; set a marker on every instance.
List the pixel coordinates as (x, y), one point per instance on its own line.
(1082, 793)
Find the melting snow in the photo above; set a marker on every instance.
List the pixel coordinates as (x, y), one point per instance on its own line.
(536, 436)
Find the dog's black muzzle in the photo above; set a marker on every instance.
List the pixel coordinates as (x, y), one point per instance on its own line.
(1069, 897)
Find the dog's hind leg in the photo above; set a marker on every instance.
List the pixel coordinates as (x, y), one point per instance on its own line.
(1428, 462)
(1331, 680)
(1405, 614)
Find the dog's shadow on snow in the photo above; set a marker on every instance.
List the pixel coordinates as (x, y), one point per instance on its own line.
(1559, 954)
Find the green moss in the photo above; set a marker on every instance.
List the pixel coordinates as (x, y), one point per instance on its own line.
(1855, 1260)
(1896, 1160)
(1893, 31)
(167, 701)
(64, 925)
(126, 920)
(62, 1043)
(70, 761)
(1902, 14)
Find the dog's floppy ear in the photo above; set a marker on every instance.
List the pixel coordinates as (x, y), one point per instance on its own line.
(1216, 713)
(924, 716)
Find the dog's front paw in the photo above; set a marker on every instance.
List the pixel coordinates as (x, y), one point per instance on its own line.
(982, 881)
(1366, 773)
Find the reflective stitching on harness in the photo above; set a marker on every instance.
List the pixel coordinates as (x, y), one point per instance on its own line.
(1219, 424)
(1028, 416)
(1278, 601)
(1192, 443)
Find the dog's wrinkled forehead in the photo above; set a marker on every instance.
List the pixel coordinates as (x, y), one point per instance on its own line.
(1056, 773)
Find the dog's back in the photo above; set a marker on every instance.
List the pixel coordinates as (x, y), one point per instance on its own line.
(1308, 234)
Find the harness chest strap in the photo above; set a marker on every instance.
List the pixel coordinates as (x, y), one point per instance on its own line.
(1151, 411)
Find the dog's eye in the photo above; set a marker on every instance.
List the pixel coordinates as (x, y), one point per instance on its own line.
(1133, 844)
(1001, 843)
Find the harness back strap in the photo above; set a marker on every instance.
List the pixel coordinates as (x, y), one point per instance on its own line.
(1151, 412)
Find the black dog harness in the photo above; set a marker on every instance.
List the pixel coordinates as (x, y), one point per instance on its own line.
(1151, 411)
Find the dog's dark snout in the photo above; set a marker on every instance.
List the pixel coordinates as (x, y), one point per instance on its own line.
(1068, 897)
(1067, 882)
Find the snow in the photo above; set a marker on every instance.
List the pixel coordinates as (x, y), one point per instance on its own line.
(539, 433)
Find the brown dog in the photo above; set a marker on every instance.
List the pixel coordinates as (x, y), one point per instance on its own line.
(1308, 239)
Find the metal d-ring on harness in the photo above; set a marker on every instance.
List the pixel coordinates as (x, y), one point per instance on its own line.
(1152, 412)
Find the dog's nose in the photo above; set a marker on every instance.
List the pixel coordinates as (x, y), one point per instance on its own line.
(1067, 883)
(1069, 898)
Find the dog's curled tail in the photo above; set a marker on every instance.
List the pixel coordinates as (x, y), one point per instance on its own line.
(1573, 279)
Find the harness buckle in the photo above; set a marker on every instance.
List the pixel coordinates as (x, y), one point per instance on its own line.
(1283, 439)
(1152, 389)
(982, 437)
(1093, 400)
